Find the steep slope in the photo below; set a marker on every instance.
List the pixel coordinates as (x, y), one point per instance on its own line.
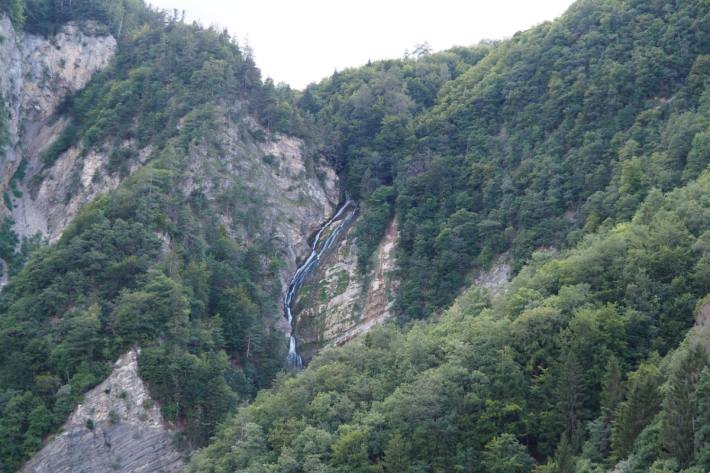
(521, 144)
(117, 427)
(177, 202)
(586, 135)
(38, 72)
(560, 370)
(338, 303)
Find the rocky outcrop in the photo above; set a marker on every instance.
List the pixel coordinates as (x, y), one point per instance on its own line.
(117, 428)
(284, 192)
(701, 329)
(37, 74)
(497, 276)
(338, 303)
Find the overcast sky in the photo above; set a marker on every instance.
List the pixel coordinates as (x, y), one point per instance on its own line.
(303, 41)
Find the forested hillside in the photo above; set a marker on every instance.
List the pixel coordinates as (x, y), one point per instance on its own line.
(548, 136)
(563, 370)
(577, 150)
(148, 264)
(571, 135)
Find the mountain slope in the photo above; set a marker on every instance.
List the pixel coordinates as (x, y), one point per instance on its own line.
(534, 142)
(561, 369)
(149, 184)
(178, 191)
(586, 133)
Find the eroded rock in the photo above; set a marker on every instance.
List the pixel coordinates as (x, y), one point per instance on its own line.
(117, 428)
(338, 303)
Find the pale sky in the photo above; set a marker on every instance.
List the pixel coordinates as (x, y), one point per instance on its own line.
(299, 42)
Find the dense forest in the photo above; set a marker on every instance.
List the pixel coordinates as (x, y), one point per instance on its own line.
(577, 150)
(198, 309)
(563, 370)
(548, 136)
(571, 135)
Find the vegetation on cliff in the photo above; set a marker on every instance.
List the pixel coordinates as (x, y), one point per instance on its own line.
(579, 147)
(565, 370)
(147, 264)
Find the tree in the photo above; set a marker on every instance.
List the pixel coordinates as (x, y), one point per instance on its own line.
(15, 9)
(396, 454)
(81, 341)
(571, 393)
(613, 391)
(679, 414)
(504, 454)
(638, 408)
(702, 420)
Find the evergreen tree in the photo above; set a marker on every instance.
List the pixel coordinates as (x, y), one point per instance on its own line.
(613, 390)
(638, 408)
(571, 394)
(504, 454)
(679, 413)
(702, 420)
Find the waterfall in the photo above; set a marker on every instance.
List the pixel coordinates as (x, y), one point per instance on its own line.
(337, 222)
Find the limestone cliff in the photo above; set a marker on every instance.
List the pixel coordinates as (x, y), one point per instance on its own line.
(338, 303)
(117, 428)
(37, 74)
(285, 193)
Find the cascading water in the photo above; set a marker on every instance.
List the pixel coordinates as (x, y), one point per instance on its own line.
(338, 222)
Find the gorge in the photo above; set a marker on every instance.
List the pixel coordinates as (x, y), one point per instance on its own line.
(494, 258)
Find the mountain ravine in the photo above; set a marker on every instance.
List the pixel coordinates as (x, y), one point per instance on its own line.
(293, 191)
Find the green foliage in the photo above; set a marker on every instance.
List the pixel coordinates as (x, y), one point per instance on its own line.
(540, 139)
(560, 368)
(15, 10)
(589, 133)
(504, 454)
(637, 410)
(680, 403)
(373, 224)
(200, 306)
(46, 17)
(702, 419)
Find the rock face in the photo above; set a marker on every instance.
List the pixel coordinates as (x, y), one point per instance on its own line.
(37, 74)
(117, 428)
(497, 276)
(701, 330)
(285, 194)
(338, 303)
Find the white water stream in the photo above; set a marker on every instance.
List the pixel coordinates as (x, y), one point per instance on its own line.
(331, 229)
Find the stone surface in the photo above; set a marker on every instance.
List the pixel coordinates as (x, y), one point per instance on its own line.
(285, 194)
(701, 329)
(117, 428)
(338, 303)
(37, 74)
(497, 276)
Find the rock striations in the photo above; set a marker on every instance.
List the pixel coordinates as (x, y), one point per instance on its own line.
(37, 74)
(117, 428)
(338, 303)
